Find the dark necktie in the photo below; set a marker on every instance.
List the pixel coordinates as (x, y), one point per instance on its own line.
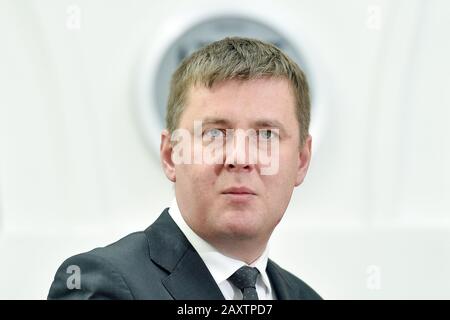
(245, 279)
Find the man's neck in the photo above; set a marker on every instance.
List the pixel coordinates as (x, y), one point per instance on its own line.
(247, 251)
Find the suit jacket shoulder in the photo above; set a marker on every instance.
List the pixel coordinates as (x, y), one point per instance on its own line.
(158, 263)
(121, 270)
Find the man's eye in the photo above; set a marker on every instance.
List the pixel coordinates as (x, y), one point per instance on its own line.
(266, 134)
(214, 133)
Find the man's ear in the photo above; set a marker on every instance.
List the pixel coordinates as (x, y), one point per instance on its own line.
(304, 154)
(165, 154)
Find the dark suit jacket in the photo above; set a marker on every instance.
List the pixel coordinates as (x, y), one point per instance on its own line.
(158, 263)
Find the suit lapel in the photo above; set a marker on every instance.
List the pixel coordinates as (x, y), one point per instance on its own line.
(188, 278)
(192, 280)
(281, 287)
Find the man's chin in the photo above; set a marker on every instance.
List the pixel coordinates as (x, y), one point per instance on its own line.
(240, 231)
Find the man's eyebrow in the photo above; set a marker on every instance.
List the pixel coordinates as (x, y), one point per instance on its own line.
(211, 120)
(269, 123)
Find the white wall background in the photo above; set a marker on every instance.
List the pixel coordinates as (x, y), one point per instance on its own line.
(372, 219)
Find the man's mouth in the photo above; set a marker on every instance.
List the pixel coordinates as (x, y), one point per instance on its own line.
(239, 191)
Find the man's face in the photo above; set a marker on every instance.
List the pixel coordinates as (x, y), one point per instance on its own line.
(204, 192)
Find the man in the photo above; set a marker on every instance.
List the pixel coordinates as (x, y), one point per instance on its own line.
(212, 241)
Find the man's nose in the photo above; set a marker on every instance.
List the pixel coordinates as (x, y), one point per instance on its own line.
(238, 167)
(239, 155)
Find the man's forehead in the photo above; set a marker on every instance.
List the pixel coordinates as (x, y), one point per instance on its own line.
(259, 97)
(275, 112)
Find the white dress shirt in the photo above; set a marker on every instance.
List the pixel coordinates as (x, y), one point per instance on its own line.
(222, 267)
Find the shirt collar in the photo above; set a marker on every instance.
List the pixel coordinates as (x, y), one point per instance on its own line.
(219, 265)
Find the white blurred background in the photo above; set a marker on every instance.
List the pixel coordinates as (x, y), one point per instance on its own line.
(77, 169)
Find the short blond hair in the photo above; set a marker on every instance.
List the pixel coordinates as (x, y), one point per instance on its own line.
(242, 59)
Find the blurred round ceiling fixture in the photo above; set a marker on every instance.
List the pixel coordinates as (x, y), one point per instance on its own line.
(162, 61)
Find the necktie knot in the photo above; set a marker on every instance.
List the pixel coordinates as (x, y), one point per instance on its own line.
(245, 279)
